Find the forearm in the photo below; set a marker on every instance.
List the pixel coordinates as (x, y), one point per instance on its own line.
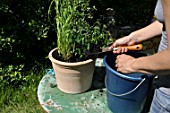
(147, 32)
(158, 63)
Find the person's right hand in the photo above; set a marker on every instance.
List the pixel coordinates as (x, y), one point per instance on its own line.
(124, 41)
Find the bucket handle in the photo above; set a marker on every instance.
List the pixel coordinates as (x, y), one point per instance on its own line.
(129, 92)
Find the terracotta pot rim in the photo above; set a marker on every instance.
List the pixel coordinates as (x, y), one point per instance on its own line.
(67, 63)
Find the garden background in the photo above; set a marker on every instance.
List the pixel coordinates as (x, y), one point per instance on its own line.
(26, 37)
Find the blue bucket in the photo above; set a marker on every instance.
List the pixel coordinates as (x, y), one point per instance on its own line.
(126, 93)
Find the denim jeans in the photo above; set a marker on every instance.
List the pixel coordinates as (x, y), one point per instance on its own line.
(160, 102)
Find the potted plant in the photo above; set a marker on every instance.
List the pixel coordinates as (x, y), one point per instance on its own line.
(76, 35)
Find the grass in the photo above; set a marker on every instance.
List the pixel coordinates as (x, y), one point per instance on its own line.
(22, 99)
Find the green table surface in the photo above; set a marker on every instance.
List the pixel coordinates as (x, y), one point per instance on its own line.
(55, 101)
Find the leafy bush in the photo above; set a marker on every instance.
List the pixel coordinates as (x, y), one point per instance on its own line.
(24, 31)
(11, 75)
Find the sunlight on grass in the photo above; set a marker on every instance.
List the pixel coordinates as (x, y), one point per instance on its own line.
(24, 98)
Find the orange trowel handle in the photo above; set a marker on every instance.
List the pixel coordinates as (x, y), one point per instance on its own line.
(134, 47)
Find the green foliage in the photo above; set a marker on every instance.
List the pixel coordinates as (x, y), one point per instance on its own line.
(26, 35)
(12, 75)
(18, 75)
(22, 99)
(24, 31)
(75, 35)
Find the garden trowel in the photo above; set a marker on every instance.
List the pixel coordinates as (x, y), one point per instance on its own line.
(133, 47)
(106, 49)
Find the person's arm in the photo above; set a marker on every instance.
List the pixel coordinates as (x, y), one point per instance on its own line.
(154, 29)
(138, 36)
(158, 63)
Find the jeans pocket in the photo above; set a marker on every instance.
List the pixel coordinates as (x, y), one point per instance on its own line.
(160, 103)
(167, 108)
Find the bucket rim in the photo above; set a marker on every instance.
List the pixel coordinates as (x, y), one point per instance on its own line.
(120, 74)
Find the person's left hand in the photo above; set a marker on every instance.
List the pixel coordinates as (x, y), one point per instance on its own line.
(124, 63)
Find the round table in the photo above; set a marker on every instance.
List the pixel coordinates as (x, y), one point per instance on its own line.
(55, 101)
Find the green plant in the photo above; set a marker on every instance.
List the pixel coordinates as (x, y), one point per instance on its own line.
(21, 99)
(75, 34)
(12, 75)
(24, 34)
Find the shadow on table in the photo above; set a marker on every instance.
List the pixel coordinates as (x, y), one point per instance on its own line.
(98, 81)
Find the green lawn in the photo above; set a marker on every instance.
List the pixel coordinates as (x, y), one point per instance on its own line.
(22, 99)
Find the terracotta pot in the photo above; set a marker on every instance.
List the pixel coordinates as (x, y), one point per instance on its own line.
(73, 77)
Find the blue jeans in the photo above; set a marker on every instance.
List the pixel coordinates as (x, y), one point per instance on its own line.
(160, 102)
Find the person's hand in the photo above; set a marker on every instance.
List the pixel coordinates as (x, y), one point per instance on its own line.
(124, 63)
(127, 40)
